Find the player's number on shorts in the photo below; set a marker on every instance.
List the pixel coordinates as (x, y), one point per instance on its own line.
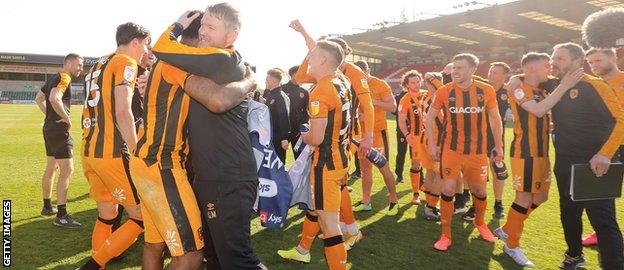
(90, 87)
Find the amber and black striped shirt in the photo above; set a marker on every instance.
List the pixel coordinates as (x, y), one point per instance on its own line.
(100, 136)
(466, 109)
(426, 100)
(330, 98)
(165, 139)
(531, 133)
(410, 106)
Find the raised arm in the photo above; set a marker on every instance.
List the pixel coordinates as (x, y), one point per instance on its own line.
(432, 81)
(297, 26)
(302, 75)
(202, 61)
(541, 108)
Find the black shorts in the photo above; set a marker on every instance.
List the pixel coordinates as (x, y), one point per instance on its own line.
(58, 143)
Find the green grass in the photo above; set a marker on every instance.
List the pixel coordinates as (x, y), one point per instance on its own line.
(402, 242)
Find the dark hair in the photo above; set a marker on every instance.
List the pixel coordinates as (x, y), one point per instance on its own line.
(293, 70)
(72, 56)
(226, 12)
(410, 74)
(128, 31)
(192, 31)
(502, 65)
(275, 73)
(472, 59)
(533, 56)
(609, 52)
(334, 50)
(576, 51)
(343, 44)
(362, 65)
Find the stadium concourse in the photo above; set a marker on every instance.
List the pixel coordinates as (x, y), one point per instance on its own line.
(496, 33)
(22, 75)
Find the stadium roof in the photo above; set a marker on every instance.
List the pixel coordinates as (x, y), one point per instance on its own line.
(522, 25)
(39, 59)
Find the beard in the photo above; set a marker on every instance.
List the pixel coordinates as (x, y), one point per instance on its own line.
(604, 71)
(559, 73)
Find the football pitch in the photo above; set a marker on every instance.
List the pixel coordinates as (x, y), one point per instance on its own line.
(401, 242)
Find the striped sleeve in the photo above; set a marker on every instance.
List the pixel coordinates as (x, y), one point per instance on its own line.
(64, 82)
(611, 102)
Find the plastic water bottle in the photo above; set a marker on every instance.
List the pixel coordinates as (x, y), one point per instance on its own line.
(303, 128)
(499, 168)
(374, 156)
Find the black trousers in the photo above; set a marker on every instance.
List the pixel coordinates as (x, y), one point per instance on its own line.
(226, 215)
(601, 215)
(401, 151)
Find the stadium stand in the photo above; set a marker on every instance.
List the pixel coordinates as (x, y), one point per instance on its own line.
(497, 33)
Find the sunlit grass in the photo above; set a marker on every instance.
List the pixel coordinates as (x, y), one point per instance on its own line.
(402, 242)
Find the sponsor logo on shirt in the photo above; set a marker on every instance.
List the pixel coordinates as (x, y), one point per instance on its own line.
(469, 110)
(315, 107)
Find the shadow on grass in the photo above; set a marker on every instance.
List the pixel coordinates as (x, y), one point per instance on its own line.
(72, 200)
(79, 198)
(40, 244)
(387, 242)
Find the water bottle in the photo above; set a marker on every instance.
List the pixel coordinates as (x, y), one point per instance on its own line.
(499, 168)
(299, 145)
(303, 128)
(374, 156)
